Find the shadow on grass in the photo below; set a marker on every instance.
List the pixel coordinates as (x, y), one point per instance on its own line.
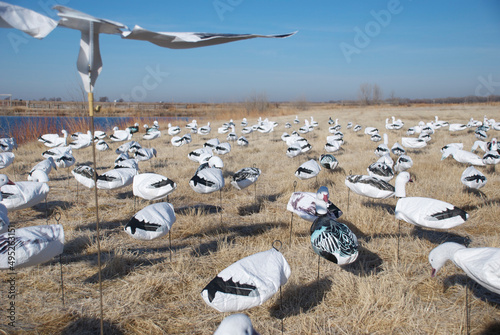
(298, 299)
(368, 263)
(249, 209)
(491, 329)
(380, 205)
(438, 237)
(475, 192)
(230, 233)
(198, 209)
(91, 326)
(477, 290)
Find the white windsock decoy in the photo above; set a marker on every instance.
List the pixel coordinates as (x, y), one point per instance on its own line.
(304, 204)
(333, 241)
(7, 144)
(480, 264)
(459, 146)
(127, 163)
(397, 149)
(151, 134)
(473, 178)
(46, 166)
(33, 245)
(205, 130)
(101, 145)
(247, 283)
(154, 221)
(371, 130)
(381, 171)
(375, 188)
(383, 149)
(152, 186)
(84, 174)
(223, 148)
(375, 138)
(197, 154)
(207, 180)
(245, 177)
(120, 135)
(39, 176)
(6, 158)
(403, 163)
(145, 154)
(128, 147)
(492, 156)
(54, 140)
(413, 143)
(457, 127)
(236, 324)
(462, 156)
(116, 178)
(173, 130)
(4, 219)
(81, 141)
(293, 150)
(308, 170)
(23, 194)
(242, 141)
(211, 143)
(429, 213)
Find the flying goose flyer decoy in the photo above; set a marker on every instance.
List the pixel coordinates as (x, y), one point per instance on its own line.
(89, 63)
(247, 283)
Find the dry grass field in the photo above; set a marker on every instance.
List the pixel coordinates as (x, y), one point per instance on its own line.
(149, 287)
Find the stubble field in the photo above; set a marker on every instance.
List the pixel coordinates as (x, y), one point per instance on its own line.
(153, 287)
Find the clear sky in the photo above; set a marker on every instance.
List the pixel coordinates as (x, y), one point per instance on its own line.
(413, 49)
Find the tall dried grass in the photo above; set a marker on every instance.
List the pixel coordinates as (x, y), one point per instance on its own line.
(145, 292)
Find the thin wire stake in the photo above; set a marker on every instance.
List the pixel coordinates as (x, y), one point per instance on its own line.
(57, 216)
(467, 306)
(220, 210)
(399, 236)
(170, 245)
(291, 218)
(77, 191)
(277, 244)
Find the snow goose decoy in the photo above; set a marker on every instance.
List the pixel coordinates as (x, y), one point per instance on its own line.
(397, 149)
(6, 158)
(7, 144)
(101, 145)
(371, 130)
(309, 169)
(236, 324)
(205, 130)
(462, 156)
(197, 154)
(245, 177)
(454, 127)
(222, 148)
(247, 283)
(152, 186)
(473, 178)
(480, 264)
(154, 221)
(152, 134)
(173, 130)
(376, 188)
(207, 178)
(328, 161)
(4, 219)
(380, 170)
(116, 178)
(333, 241)
(23, 194)
(413, 143)
(383, 149)
(54, 140)
(492, 156)
(429, 213)
(304, 204)
(242, 141)
(403, 163)
(33, 245)
(145, 154)
(134, 129)
(120, 135)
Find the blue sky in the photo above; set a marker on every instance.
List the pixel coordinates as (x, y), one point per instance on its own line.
(413, 49)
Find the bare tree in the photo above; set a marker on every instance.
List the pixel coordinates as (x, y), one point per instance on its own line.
(365, 93)
(376, 93)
